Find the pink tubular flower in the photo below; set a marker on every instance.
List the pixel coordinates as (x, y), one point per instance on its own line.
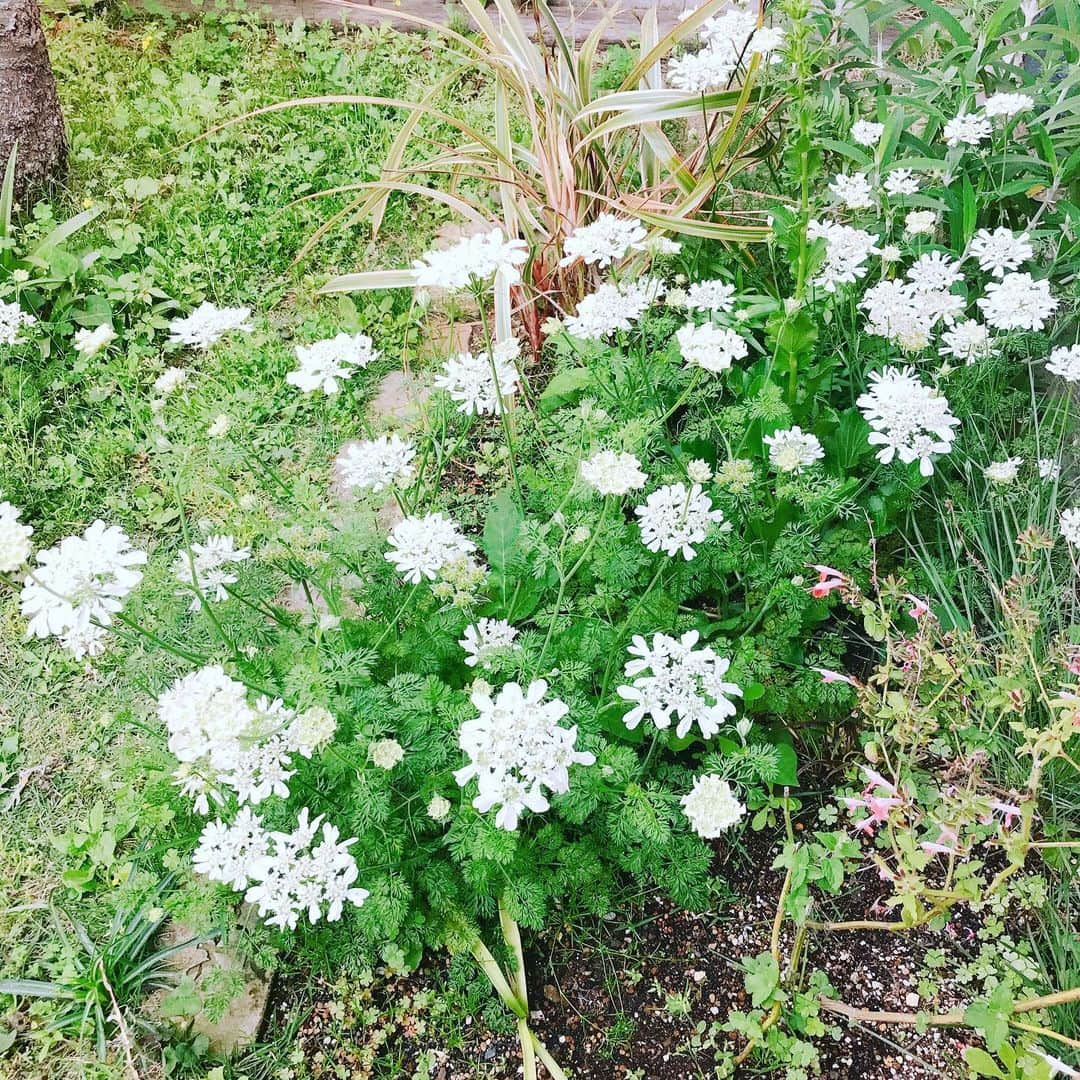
(1010, 812)
(828, 579)
(919, 608)
(881, 806)
(944, 845)
(828, 676)
(1073, 663)
(876, 780)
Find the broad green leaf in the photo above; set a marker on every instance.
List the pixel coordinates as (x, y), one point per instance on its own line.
(501, 530)
(564, 387)
(762, 978)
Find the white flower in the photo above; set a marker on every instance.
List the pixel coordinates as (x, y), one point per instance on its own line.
(853, 191)
(613, 307)
(701, 72)
(710, 296)
(219, 426)
(793, 450)
(12, 320)
(846, 252)
(767, 41)
(934, 271)
(1017, 302)
(711, 807)
(890, 253)
(1049, 469)
(386, 753)
(920, 222)
(1004, 104)
(439, 808)
(324, 363)
(89, 343)
(206, 568)
(170, 380)
(683, 683)
(480, 382)
(968, 341)
(1000, 250)
(967, 129)
(611, 473)
(710, 347)
(310, 730)
(80, 584)
(660, 245)
(909, 420)
(516, 749)
(895, 312)
(1003, 472)
(1070, 525)
(673, 518)
(227, 853)
(486, 638)
(698, 471)
(604, 241)
(207, 324)
(866, 132)
(1065, 361)
(422, 546)
(900, 182)
(14, 539)
(472, 262)
(377, 464)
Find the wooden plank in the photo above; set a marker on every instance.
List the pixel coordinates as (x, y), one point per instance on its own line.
(577, 19)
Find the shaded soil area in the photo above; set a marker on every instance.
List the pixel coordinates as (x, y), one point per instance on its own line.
(644, 997)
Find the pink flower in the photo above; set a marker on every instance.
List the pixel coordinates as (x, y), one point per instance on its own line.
(944, 845)
(1073, 663)
(876, 780)
(1010, 812)
(828, 579)
(828, 676)
(880, 807)
(865, 826)
(919, 608)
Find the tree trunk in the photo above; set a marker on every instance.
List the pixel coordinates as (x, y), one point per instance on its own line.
(29, 108)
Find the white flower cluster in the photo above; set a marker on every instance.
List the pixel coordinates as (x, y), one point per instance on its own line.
(206, 569)
(967, 129)
(604, 241)
(968, 341)
(852, 191)
(900, 182)
(479, 382)
(79, 585)
(377, 464)
(792, 450)
(516, 749)
(1069, 522)
(423, 546)
(486, 637)
(724, 38)
(1017, 302)
(906, 312)
(1065, 362)
(323, 364)
(1000, 250)
(472, 262)
(12, 320)
(710, 296)
(207, 324)
(910, 420)
(89, 342)
(673, 518)
(846, 252)
(170, 380)
(684, 683)
(1007, 104)
(1003, 472)
(614, 307)
(710, 347)
(284, 874)
(14, 539)
(221, 741)
(611, 473)
(866, 132)
(711, 806)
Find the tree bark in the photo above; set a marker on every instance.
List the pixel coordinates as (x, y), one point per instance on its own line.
(29, 108)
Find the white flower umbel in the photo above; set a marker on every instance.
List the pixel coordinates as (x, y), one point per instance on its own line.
(725, 37)
(1008, 105)
(611, 473)
(710, 347)
(1049, 469)
(920, 223)
(711, 807)
(439, 808)
(1070, 526)
(12, 321)
(312, 729)
(934, 271)
(386, 753)
(604, 241)
(207, 324)
(767, 41)
(1000, 250)
(900, 182)
(792, 450)
(207, 568)
(79, 585)
(710, 296)
(422, 546)
(377, 464)
(909, 420)
(227, 853)
(1003, 472)
(485, 639)
(14, 539)
(968, 341)
(852, 191)
(1064, 361)
(516, 749)
(895, 311)
(324, 364)
(613, 307)
(967, 129)
(682, 683)
(674, 518)
(867, 133)
(170, 380)
(1017, 302)
(89, 343)
(846, 252)
(479, 382)
(472, 262)
(701, 72)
